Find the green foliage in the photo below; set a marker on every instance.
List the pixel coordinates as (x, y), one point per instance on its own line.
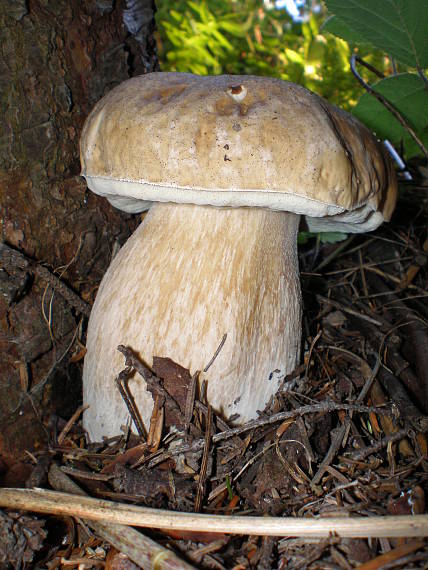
(399, 27)
(406, 92)
(341, 29)
(210, 37)
(323, 237)
(251, 37)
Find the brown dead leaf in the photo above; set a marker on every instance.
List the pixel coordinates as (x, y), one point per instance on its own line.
(394, 554)
(176, 381)
(129, 457)
(79, 355)
(410, 502)
(151, 485)
(156, 425)
(422, 442)
(24, 376)
(284, 427)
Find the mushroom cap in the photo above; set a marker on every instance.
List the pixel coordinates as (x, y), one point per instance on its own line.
(236, 141)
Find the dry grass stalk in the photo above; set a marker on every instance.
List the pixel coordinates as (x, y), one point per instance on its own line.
(53, 502)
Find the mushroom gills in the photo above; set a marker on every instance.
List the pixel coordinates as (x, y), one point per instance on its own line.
(188, 276)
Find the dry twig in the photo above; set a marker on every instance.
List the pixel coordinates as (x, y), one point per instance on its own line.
(139, 548)
(53, 502)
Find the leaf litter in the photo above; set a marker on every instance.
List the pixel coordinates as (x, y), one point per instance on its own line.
(345, 435)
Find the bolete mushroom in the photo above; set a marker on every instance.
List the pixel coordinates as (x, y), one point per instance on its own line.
(232, 162)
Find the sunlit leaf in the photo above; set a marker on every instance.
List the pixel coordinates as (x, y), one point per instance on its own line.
(222, 40)
(339, 28)
(293, 56)
(233, 28)
(316, 49)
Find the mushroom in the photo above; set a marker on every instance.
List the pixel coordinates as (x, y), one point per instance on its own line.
(227, 165)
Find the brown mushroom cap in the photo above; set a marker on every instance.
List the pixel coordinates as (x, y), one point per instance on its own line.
(236, 141)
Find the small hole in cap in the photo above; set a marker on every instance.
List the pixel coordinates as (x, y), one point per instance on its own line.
(237, 92)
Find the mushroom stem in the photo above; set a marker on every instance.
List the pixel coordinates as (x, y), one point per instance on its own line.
(188, 276)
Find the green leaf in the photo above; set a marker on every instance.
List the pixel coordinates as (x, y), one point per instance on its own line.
(332, 237)
(399, 27)
(304, 237)
(293, 56)
(201, 10)
(222, 40)
(233, 28)
(324, 237)
(176, 15)
(316, 49)
(406, 91)
(336, 26)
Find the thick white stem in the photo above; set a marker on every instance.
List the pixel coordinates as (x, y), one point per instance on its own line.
(186, 277)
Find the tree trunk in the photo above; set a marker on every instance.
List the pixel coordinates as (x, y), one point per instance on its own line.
(57, 59)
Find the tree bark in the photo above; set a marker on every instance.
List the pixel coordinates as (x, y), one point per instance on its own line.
(57, 58)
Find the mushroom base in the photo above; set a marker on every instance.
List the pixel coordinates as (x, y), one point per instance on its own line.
(188, 276)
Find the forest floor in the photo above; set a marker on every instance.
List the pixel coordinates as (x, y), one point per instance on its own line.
(345, 435)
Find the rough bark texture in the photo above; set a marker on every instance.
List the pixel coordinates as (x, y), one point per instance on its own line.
(57, 58)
